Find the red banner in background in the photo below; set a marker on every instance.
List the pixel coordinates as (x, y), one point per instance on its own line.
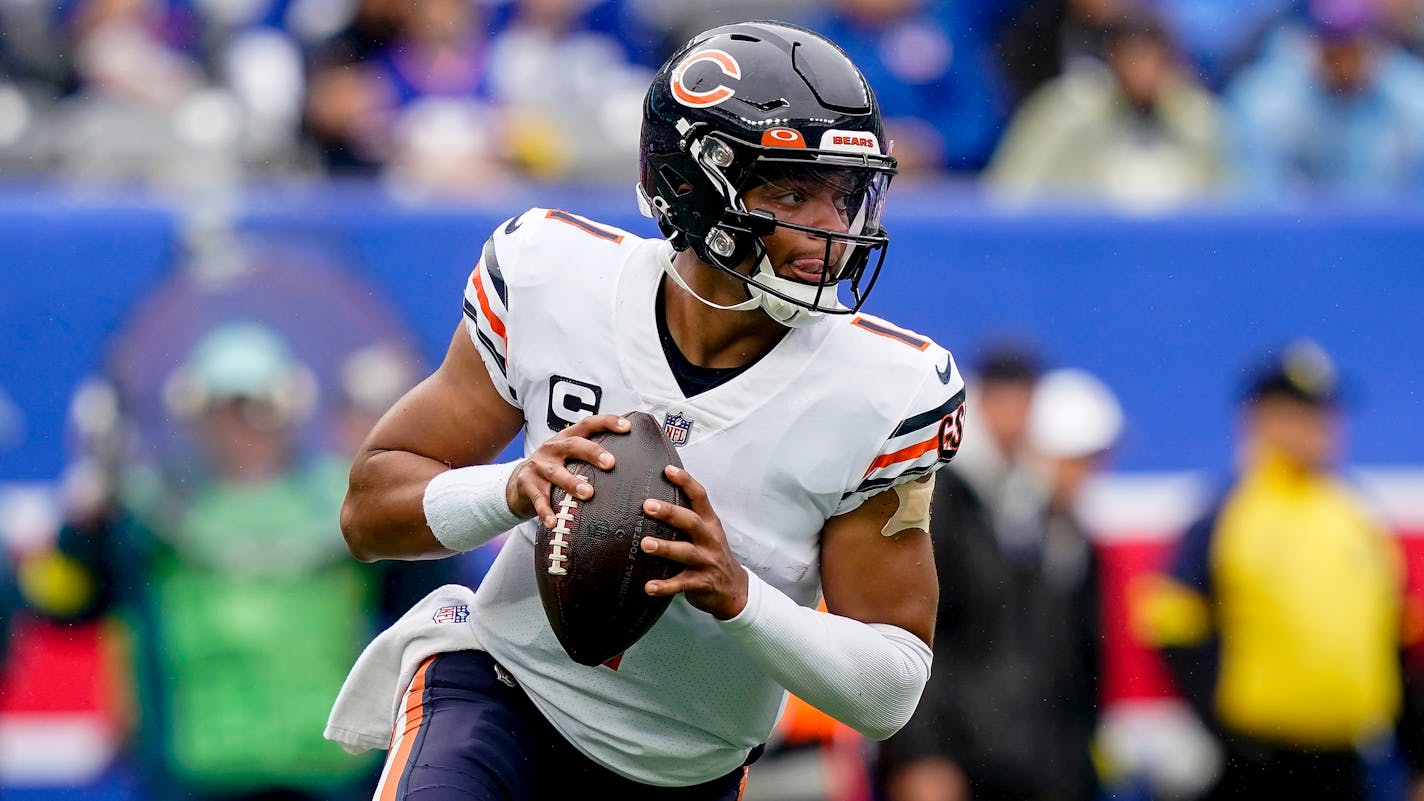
(61, 706)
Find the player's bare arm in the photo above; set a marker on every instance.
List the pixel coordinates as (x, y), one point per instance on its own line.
(454, 418)
(875, 575)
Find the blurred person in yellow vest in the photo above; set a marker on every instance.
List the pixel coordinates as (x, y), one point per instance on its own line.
(1280, 615)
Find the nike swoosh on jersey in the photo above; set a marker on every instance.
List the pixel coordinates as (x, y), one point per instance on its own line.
(947, 372)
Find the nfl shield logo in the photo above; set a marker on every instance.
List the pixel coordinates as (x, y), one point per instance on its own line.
(455, 613)
(677, 427)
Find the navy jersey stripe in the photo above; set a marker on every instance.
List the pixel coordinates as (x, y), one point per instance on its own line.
(870, 485)
(919, 421)
(492, 269)
(498, 359)
(485, 340)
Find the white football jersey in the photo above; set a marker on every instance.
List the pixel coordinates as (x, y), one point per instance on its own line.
(562, 311)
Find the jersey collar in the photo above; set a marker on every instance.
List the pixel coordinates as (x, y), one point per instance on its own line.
(645, 366)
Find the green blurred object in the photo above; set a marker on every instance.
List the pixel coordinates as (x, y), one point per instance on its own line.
(247, 612)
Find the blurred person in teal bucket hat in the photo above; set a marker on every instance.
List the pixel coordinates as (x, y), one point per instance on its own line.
(228, 566)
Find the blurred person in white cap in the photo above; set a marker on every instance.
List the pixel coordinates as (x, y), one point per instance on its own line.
(228, 565)
(1010, 709)
(1073, 423)
(372, 379)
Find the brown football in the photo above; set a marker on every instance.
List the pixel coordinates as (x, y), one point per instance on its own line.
(589, 568)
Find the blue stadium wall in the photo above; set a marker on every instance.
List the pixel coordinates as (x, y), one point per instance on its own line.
(1170, 310)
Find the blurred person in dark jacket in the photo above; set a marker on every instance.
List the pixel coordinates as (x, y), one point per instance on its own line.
(1011, 707)
(993, 459)
(9, 602)
(405, 93)
(1045, 37)
(349, 104)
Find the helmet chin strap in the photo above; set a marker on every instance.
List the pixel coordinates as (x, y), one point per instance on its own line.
(671, 270)
(781, 310)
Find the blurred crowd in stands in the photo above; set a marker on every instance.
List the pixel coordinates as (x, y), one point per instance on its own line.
(1139, 103)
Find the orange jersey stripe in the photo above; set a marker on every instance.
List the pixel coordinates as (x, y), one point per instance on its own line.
(495, 323)
(899, 336)
(904, 454)
(565, 217)
(407, 728)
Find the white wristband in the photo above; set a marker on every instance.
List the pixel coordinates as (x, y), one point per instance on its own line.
(466, 508)
(868, 676)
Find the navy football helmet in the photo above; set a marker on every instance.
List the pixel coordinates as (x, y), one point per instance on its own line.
(748, 104)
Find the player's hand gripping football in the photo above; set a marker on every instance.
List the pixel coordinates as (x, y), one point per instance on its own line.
(527, 492)
(712, 578)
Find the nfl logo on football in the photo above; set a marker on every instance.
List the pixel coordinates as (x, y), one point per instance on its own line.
(677, 427)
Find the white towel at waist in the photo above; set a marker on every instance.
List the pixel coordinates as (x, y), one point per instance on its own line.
(364, 715)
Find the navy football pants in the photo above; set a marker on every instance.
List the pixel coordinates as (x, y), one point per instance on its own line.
(467, 733)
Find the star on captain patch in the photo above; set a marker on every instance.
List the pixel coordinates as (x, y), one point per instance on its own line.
(677, 428)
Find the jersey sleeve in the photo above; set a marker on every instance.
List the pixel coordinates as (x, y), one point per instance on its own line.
(487, 313)
(926, 438)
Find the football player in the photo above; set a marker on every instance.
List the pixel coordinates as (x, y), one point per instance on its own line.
(809, 430)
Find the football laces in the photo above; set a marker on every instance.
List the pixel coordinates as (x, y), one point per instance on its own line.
(557, 543)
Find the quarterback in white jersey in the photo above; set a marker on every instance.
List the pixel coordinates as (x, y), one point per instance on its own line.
(809, 432)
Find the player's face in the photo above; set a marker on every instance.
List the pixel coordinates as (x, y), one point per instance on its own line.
(244, 437)
(1306, 434)
(1002, 409)
(822, 199)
